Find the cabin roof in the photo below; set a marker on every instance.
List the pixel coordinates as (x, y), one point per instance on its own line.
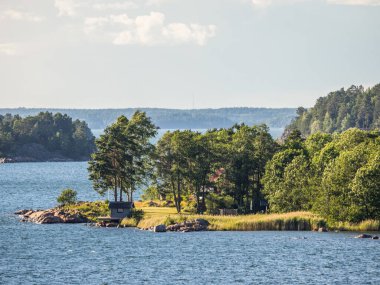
(121, 205)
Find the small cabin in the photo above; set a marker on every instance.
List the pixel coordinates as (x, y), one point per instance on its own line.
(120, 210)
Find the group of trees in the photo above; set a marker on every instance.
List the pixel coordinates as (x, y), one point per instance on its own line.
(55, 133)
(355, 107)
(122, 161)
(227, 163)
(242, 167)
(223, 166)
(337, 176)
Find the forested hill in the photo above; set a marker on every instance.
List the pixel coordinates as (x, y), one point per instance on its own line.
(175, 118)
(341, 110)
(44, 137)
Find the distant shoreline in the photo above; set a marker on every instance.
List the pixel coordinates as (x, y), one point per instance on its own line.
(7, 160)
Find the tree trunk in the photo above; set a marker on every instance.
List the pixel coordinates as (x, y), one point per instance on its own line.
(121, 191)
(115, 190)
(174, 195)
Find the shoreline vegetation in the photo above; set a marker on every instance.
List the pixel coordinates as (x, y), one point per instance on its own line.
(153, 216)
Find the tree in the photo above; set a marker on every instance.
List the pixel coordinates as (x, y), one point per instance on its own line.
(67, 197)
(366, 189)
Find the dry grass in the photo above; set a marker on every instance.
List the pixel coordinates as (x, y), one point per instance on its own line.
(364, 226)
(290, 221)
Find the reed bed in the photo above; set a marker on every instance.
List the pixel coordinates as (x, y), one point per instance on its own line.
(364, 226)
(295, 221)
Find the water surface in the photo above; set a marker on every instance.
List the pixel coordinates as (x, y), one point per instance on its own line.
(78, 254)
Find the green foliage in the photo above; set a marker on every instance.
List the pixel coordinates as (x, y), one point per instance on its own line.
(150, 193)
(341, 110)
(122, 161)
(214, 202)
(230, 161)
(67, 197)
(337, 176)
(46, 132)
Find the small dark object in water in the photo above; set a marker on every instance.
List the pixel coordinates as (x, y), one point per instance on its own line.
(363, 236)
(375, 237)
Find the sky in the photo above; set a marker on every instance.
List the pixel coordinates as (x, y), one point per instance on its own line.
(184, 53)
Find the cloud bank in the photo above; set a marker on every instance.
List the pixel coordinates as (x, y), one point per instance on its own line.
(148, 30)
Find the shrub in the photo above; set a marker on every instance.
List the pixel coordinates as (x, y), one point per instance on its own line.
(67, 197)
(134, 219)
(137, 215)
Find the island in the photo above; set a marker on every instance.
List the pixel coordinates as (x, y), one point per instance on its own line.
(44, 137)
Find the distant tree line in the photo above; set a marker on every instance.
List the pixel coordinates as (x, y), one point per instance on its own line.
(355, 107)
(175, 118)
(242, 167)
(56, 133)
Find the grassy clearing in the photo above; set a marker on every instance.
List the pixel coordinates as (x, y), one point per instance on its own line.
(91, 210)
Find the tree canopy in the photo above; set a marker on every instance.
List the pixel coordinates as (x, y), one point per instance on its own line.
(335, 175)
(122, 160)
(354, 107)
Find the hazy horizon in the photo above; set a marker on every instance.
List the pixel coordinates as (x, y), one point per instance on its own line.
(183, 109)
(188, 54)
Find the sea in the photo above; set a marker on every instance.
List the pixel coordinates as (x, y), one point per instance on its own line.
(80, 254)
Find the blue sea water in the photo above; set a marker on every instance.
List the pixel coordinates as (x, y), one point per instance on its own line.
(78, 254)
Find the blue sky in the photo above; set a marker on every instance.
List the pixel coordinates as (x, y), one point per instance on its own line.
(184, 53)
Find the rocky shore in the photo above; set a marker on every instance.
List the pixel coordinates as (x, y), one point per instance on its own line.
(51, 216)
(187, 226)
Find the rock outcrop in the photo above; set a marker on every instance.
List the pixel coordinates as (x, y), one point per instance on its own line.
(51, 216)
(186, 226)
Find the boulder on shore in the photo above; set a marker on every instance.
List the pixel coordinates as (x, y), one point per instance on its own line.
(159, 229)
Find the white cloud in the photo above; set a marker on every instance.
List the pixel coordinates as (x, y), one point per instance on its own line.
(182, 33)
(355, 2)
(20, 16)
(115, 6)
(66, 7)
(148, 30)
(8, 49)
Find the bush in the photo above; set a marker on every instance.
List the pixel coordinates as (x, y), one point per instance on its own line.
(67, 197)
(134, 219)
